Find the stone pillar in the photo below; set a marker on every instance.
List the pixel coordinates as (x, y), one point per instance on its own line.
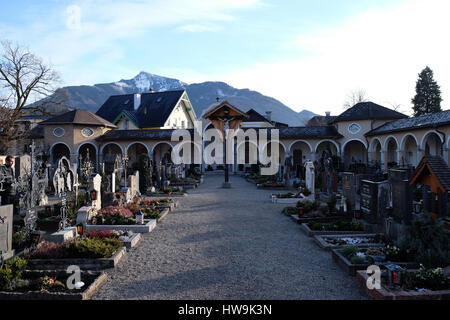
(383, 159)
(95, 183)
(74, 159)
(399, 157)
(445, 154)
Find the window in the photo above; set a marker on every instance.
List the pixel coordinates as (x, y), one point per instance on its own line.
(59, 132)
(182, 124)
(354, 128)
(87, 132)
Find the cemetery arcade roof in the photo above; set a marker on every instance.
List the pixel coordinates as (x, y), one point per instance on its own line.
(83, 117)
(428, 120)
(328, 132)
(368, 110)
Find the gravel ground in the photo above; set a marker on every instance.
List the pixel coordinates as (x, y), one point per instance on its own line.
(228, 244)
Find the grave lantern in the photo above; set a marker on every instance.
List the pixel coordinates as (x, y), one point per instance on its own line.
(140, 217)
(80, 229)
(395, 274)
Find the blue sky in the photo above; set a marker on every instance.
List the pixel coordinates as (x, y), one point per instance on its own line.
(307, 54)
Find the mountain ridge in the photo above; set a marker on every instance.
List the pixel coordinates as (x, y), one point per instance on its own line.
(202, 95)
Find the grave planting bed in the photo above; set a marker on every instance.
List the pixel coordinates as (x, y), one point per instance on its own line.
(329, 242)
(91, 279)
(162, 195)
(133, 241)
(352, 268)
(311, 233)
(385, 293)
(149, 225)
(84, 264)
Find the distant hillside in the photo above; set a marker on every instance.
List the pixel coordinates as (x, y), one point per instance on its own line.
(202, 95)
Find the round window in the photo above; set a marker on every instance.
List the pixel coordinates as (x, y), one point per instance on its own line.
(87, 132)
(59, 132)
(354, 128)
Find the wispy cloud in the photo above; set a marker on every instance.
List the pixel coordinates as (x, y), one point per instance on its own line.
(93, 31)
(381, 51)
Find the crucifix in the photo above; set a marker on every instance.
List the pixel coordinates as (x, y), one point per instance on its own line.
(221, 117)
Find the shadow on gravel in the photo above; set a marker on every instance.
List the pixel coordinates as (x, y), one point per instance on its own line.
(181, 282)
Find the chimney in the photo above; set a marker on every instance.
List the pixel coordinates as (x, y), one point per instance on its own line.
(151, 90)
(328, 113)
(137, 100)
(269, 115)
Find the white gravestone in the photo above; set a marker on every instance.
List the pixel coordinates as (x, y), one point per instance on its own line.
(113, 182)
(85, 214)
(310, 177)
(95, 184)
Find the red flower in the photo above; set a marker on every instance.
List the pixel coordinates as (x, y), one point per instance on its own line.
(148, 202)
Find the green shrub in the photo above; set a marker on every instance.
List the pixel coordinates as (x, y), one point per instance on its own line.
(290, 211)
(427, 240)
(431, 279)
(358, 260)
(315, 226)
(349, 251)
(11, 272)
(94, 248)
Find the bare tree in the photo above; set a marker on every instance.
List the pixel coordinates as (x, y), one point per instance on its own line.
(354, 97)
(24, 79)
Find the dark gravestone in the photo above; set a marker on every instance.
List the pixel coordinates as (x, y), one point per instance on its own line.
(6, 228)
(402, 195)
(349, 190)
(333, 178)
(374, 200)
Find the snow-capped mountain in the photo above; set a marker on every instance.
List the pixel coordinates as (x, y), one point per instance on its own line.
(202, 95)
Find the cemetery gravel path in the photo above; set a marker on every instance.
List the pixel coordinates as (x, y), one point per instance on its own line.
(228, 244)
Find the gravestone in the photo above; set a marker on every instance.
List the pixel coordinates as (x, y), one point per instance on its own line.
(136, 174)
(310, 178)
(6, 229)
(374, 200)
(349, 189)
(113, 182)
(22, 166)
(132, 185)
(85, 214)
(401, 195)
(95, 184)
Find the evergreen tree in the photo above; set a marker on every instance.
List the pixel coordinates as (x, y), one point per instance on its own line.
(428, 94)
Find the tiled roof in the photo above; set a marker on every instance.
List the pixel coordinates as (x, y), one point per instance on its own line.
(154, 110)
(79, 117)
(368, 110)
(324, 132)
(429, 120)
(328, 132)
(439, 168)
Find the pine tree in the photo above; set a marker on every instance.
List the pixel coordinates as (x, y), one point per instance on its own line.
(428, 94)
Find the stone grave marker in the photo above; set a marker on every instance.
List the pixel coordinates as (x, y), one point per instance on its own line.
(95, 184)
(6, 229)
(349, 189)
(22, 166)
(374, 200)
(401, 195)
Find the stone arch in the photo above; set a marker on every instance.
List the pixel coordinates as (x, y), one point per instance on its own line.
(158, 156)
(372, 144)
(60, 152)
(432, 147)
(304, 141)
(326, 140)
(92, 157)
(405, 137)
(391, 147)
(409, 147)
(357, 154)
(102, 149)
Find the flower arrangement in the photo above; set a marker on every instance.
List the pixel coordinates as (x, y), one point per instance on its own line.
(114, 215)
